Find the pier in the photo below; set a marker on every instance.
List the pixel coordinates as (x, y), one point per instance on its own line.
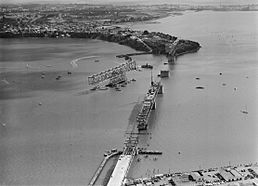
(101, 166)
(133, 54)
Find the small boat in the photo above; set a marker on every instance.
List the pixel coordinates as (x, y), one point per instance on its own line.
(117, 89)
(58, 77)
(199, 87)
(114, 150)
(94, 88)
(133, 79)
(96, 60)
(244, 111)
(147, 66)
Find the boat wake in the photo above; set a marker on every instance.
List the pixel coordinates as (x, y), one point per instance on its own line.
(74, 62)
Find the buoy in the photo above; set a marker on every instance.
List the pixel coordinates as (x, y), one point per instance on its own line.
(40, 103)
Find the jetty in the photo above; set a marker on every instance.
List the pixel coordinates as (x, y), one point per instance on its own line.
(101, 167)
(149, 152)
(133, 54)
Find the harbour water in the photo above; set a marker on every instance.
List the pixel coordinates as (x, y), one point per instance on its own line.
(56, 131)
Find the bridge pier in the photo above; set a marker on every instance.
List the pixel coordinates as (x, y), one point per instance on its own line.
(171, 59)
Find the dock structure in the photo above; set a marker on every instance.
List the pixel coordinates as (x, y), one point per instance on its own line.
(122, 167)
(101, 166)
(124, 162)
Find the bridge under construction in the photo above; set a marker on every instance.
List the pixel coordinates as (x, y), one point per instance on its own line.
(125, 160)
(116, 75)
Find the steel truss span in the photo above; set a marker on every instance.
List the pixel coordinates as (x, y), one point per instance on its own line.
(112, 73)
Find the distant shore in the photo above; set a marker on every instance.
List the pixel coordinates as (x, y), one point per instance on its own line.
(149, 42)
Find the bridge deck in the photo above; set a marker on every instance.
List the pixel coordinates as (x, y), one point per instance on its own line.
(101, 166)
(120, 171)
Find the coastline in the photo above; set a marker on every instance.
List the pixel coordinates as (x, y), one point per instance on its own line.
(128, 38)
(243, 174)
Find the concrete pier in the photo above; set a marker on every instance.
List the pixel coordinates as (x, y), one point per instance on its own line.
(101, 166)
(122, 167)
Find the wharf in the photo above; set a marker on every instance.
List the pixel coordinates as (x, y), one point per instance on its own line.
(122, 167)
(151, 152)
(133, 54)
(243, 175)
(101, 166)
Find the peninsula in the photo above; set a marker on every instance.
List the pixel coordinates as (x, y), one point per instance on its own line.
(62, 21)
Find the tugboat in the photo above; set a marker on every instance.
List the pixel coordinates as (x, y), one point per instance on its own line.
(147, 66)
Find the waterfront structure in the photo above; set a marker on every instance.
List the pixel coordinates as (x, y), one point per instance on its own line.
(102, 165)
(244, 175)
(164, 73)
(171, 51)
(148, 105)
(122, 167)
(124, 162)
(115, 75)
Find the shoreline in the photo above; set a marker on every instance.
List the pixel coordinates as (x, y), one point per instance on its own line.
(243, 174)
(155, 43)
